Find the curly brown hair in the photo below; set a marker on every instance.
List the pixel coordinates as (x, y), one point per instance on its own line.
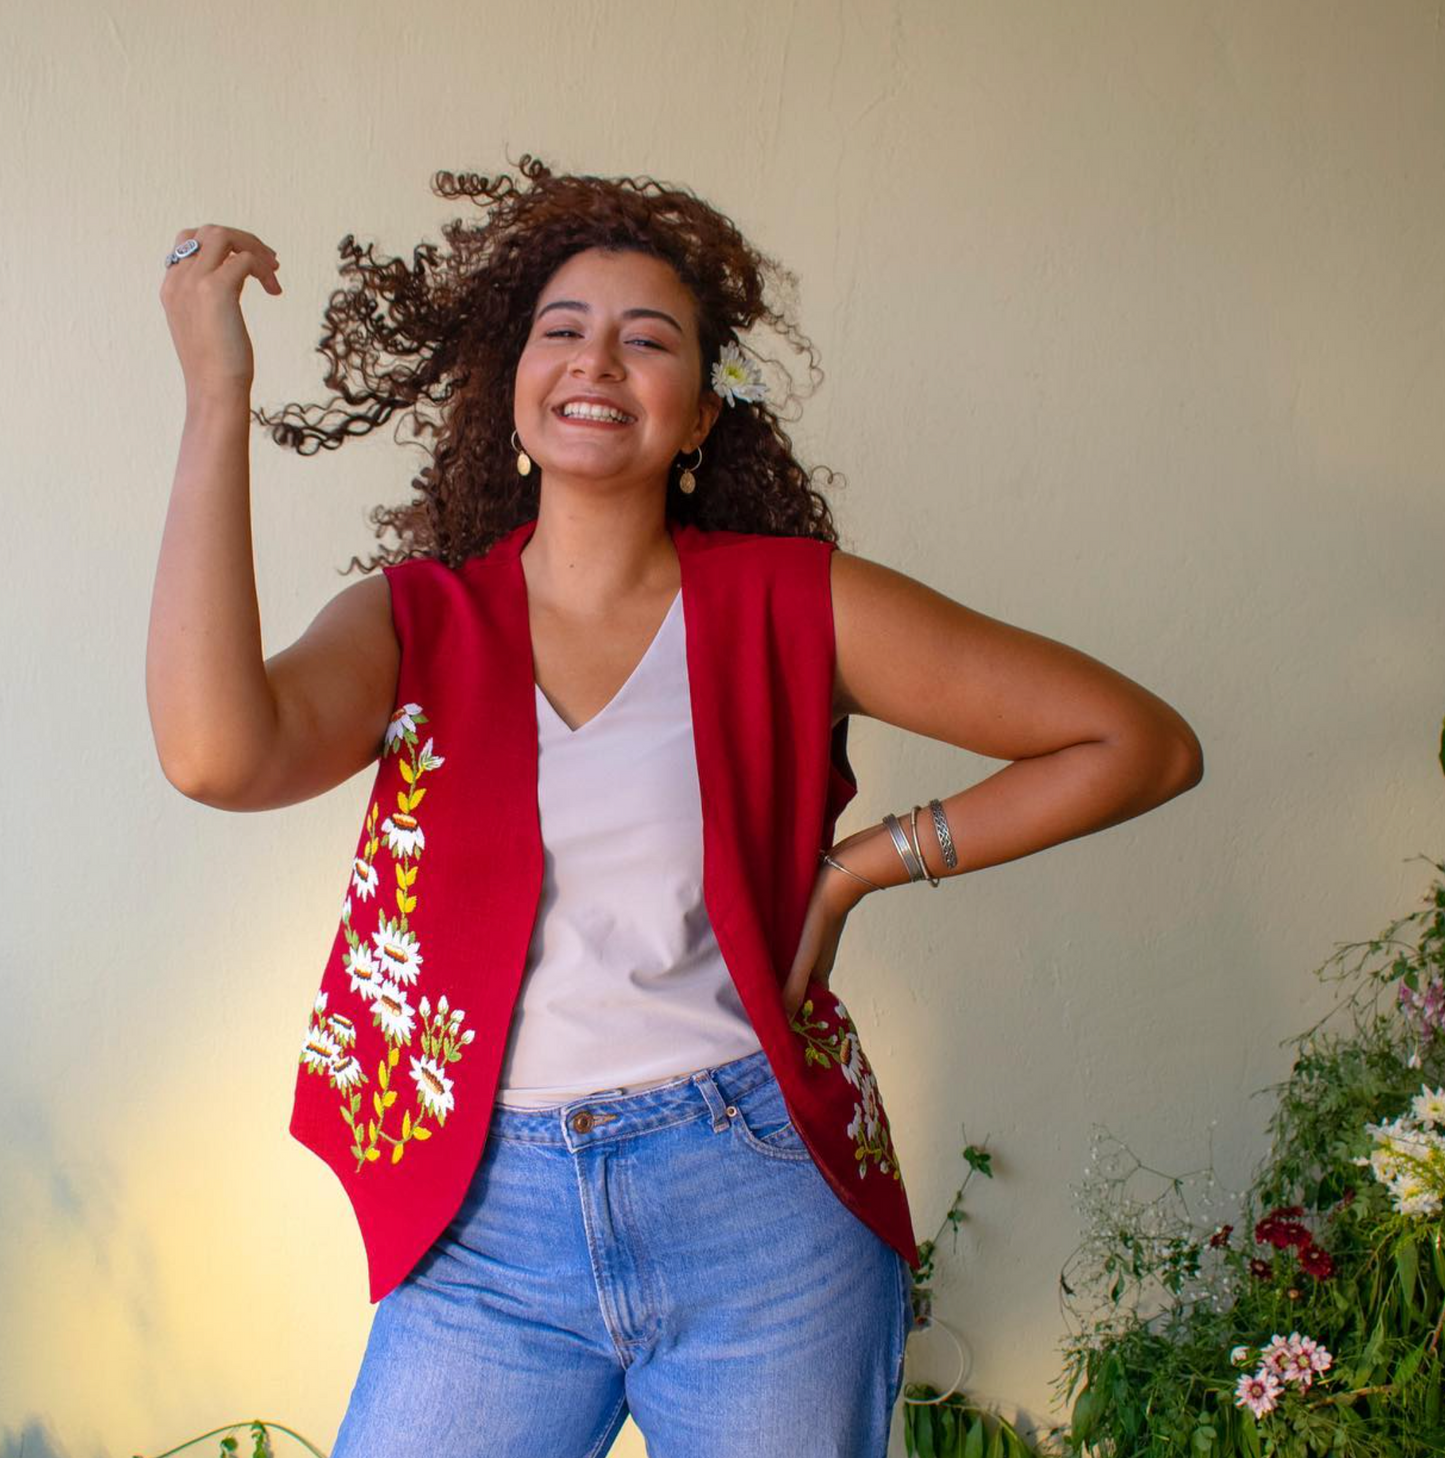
(443, 337)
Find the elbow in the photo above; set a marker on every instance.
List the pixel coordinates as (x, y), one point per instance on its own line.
(1187, 764)
(1164, 760)
(190, 781)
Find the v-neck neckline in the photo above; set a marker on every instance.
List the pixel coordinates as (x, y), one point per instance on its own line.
(571, 733)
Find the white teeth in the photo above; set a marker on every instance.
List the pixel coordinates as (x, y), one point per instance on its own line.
(584, 411)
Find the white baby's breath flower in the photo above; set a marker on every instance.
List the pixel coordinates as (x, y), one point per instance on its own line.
(736, 377)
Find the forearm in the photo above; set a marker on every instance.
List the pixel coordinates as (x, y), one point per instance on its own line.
(211, 707)
(1024, 807)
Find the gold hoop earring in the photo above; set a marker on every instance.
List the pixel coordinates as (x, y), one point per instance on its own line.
(687, 482)
(524, 461)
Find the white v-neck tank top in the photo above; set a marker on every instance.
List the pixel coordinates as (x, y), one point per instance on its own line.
(624, 985)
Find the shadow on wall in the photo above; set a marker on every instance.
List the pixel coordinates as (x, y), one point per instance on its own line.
(34, 1440)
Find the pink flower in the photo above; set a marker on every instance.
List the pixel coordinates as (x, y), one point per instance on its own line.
(1258, 1391)
(1299, 1369)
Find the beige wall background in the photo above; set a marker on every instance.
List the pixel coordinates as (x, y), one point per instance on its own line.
(1132, 320)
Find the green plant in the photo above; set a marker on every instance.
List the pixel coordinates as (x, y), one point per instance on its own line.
(936, 1424)
(260, 1435)
(1344, 1250)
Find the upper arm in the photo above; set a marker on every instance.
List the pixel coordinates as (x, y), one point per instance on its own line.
(335, 688)
(912, 657)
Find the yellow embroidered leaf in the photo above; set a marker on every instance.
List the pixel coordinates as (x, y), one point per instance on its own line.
(401, 801)
(390, 1098)
(411, 875)
(401, 876)
(416, 795)
(373, 1154)
(384, 1075)
(392, 1054)
(420, 1133)
(406, 1126)
(376, 1103)
(371, 1131)
(396, 1150)
(410, 905)
(401, 900)
(381, 1070)
(406, 771)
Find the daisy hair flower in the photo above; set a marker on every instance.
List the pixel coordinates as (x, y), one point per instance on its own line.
(735, 377)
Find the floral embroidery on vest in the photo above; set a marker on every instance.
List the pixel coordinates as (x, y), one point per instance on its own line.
(868, 1129)
(384, 973)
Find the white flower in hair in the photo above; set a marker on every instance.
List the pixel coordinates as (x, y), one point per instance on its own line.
(736, 377)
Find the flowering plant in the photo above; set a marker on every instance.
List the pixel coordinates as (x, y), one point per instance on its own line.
(1292, 1359)
(735, 377)
(1181, 1301)
(1409, 1154)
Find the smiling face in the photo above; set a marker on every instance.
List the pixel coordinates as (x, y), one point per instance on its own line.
(608, 383)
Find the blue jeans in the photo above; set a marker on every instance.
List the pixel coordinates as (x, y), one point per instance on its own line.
(673, 1254)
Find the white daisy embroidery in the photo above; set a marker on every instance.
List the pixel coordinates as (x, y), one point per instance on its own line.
(363, 879)
(393, 1014)
(383, 970)
(403, 835)
(433, 1087)
(319, 1049)
(402, 724)
(397, 951)
(365, 974)
(346, 1072)
(839, 1046)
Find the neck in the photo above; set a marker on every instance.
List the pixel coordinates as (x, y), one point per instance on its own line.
(589, 552)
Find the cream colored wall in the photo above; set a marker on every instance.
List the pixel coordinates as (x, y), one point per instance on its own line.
(1132, 321)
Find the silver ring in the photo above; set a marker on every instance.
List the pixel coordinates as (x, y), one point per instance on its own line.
(182, 250)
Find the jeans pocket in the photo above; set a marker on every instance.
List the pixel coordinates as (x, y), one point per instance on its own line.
(762, 1123)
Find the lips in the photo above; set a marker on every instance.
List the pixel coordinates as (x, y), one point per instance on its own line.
(605, 411)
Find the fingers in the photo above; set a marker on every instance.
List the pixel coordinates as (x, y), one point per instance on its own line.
(219, 245)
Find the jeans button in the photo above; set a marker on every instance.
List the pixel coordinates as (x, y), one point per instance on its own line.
(582, 1121)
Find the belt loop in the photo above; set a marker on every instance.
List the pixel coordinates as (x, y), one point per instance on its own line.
(721, 1111)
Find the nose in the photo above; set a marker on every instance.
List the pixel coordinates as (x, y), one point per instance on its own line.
(596, 356)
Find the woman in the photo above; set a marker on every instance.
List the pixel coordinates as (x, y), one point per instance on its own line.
(611, 1139)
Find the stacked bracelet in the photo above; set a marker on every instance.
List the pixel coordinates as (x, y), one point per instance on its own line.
(910, 853)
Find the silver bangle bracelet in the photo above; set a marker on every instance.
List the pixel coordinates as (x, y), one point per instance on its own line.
(905, 851)
(839, 866)
(918, 846)
(945, 840)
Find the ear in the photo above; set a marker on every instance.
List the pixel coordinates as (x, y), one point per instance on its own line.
(709, 407)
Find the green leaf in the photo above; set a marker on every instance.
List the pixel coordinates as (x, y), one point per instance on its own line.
(1085, 1412)
(995, 1443)
(973, 1444)
(1407, 1262)
(927, 1418)
(1405, 1368)
(1249, 1434)
(947, 1429)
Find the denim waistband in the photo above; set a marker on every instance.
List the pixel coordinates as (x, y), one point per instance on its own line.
(610, 1114)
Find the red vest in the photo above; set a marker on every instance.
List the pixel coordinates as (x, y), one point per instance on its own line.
(401, 1062)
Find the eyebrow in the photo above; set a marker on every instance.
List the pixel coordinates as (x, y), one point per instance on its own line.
(584, 308)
